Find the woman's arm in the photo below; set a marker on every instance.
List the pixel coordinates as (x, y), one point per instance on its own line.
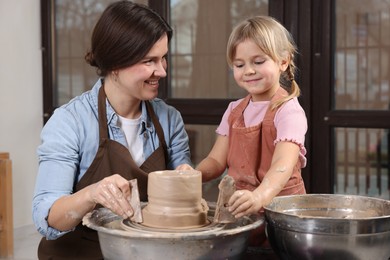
(57, 209)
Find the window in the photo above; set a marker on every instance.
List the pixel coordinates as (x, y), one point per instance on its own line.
(199, 81)
(66, 31)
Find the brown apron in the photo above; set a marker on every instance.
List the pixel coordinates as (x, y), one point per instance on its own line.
(111, 158)
(251, 150)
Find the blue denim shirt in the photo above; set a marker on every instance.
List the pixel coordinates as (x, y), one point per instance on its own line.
(70, 140)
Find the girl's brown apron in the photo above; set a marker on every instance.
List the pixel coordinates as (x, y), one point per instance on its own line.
(111, 158)
(251, 150)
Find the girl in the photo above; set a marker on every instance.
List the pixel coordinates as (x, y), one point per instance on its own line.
(261, 137)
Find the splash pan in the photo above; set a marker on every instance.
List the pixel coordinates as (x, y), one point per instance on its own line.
(214, 241)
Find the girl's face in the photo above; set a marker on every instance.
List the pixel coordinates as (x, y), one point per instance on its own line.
(140, 81)
(256, 72)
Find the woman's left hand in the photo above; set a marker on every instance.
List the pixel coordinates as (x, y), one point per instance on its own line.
(244, 202)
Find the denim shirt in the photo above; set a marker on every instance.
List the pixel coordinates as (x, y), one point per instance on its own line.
(70, 140)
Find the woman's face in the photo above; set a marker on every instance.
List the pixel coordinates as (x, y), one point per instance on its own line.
(140, 81)
(256, 72)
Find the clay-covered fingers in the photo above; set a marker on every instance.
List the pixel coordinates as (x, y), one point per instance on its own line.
(121, 194)
(242, 203)
(114, 193)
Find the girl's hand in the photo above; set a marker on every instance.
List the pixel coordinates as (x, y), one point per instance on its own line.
(244, 202)
(184, 167)
(114, 193)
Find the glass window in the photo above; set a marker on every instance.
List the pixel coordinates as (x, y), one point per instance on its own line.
(74, 22)
(362, 162)
(362, 57)
(198, 48)
(198, 66)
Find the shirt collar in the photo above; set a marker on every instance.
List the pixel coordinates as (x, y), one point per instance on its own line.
(112, 117)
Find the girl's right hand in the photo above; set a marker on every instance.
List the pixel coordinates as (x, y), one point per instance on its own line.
(244, 202)
(184, 167)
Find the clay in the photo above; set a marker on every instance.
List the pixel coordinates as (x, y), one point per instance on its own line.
(226, 188)
(135, 202)
(175, 200)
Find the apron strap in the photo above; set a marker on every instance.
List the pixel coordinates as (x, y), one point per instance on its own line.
(270, 114)
(103, 132)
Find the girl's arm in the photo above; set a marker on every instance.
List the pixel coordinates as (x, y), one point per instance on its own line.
(215, 163)
(284, 159)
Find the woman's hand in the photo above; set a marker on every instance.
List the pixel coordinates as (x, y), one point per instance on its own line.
(114, 193)
(244, 202)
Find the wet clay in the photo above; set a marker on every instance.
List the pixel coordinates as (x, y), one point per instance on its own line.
(175, 200)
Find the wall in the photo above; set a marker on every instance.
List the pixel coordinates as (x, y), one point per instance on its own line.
(21, 98)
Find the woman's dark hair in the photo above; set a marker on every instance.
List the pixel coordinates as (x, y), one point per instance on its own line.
(123, 35)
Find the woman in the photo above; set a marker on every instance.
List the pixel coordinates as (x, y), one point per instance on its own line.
(115, 132)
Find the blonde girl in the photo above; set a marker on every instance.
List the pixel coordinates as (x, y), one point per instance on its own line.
(260, 140)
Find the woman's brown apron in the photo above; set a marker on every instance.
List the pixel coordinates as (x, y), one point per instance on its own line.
(251, 150)
(111, 158)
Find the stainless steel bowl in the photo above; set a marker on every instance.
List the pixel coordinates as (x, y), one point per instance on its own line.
(221, 241)
(329, 226)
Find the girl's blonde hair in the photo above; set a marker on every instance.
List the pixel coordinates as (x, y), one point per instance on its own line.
(275, 41)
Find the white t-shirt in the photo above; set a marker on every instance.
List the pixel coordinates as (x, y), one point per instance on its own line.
(131, 129)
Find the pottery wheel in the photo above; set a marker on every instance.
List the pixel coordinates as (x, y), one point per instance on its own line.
(128, 225)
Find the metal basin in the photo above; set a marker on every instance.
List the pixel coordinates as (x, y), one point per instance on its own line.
(329, 226)
(220, 241)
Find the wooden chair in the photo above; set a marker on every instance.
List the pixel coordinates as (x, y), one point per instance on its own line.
(6, 209)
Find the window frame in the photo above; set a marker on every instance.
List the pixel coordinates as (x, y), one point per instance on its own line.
(294, 14)
(194, 111)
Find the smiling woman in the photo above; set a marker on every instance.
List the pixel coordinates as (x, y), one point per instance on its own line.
(115, 132)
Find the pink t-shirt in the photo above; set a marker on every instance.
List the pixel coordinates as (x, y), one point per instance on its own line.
(290, 122)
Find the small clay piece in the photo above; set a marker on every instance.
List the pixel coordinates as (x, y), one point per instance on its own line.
(135, 202)
(226, 189)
